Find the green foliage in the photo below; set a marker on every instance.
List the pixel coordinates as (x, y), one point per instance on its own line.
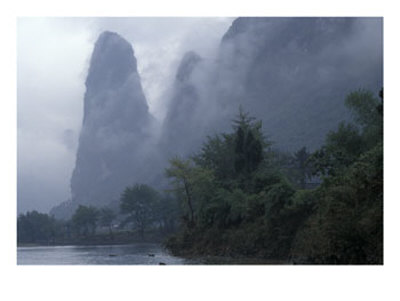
(364, 107)
(166, 212)
(235, 158)
(35, 227)
(217, 154)
(342, 147)
(106, 217)
(138, 202)
(249, 144)
(279, 195)
(245, 199)
(192, 184)
(345, 145)
(302, 167)
(347, 226)
(233, 190)
(39, 228)
(84, 220)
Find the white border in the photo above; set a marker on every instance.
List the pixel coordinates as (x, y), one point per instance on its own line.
(183, 282)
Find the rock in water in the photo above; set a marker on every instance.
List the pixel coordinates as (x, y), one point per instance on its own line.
(116, 128)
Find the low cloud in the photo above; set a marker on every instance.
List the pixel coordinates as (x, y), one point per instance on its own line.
(53, 57)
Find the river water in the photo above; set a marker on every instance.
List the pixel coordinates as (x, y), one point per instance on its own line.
(133, 254)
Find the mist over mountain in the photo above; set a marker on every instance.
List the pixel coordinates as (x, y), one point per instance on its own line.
(291, 73)
(294, 73)
(181, 121)
(115, 138)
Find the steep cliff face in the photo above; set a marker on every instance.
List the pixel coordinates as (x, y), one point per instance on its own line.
(294, 73)
(116, 125)
(291, 73)
(181, 126)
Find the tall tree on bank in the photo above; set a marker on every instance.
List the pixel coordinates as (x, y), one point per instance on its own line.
(139, 202)
(347, 227)
(350, 140)
(302, 166)
(85, 220)
(35, 227)
(181, 172)
(191, 184)
(248, 143)
(249, 208)
(106, 217)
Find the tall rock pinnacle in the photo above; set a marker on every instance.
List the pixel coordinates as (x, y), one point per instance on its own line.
(181, 120)
(116, 125)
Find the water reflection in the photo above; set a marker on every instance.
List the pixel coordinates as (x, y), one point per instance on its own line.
(138, 254)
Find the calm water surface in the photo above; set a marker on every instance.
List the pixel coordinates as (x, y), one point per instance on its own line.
(139, 254)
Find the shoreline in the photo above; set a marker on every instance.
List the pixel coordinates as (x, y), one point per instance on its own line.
(195, 260)
(116, 243)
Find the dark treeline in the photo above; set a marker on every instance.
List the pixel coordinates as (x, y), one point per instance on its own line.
(238, 197)
(244, 199)
(143, 215)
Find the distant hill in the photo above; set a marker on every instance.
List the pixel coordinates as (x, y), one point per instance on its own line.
(291, 73)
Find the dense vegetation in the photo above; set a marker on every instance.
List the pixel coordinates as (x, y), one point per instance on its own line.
(144, 215)
(35, 227)
(238, 197)
(244, 199)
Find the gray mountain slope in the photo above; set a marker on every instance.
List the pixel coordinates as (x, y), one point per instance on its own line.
(181, 120)
(291, 73)
(294, 73)
(115, 138)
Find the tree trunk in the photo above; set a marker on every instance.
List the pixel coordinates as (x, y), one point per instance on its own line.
(189, 199)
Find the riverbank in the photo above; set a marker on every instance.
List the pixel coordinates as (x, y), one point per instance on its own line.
(130, 254)
(131, 237)
(197, 259)
(227, 260)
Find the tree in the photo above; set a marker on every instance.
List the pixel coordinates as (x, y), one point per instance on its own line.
(302, 166)
(85, 219)
(236, 157)
(182, 173)
(368, 115)
(364, 107)
(193, 186)
(107, 216)
(35, 227)
(343, 146)
(249, 143)
(226, 188)
(167, 212)
(218, 154)
(139, 203)
(347, 226)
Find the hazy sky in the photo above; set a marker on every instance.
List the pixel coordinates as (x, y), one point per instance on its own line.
(52, 60)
